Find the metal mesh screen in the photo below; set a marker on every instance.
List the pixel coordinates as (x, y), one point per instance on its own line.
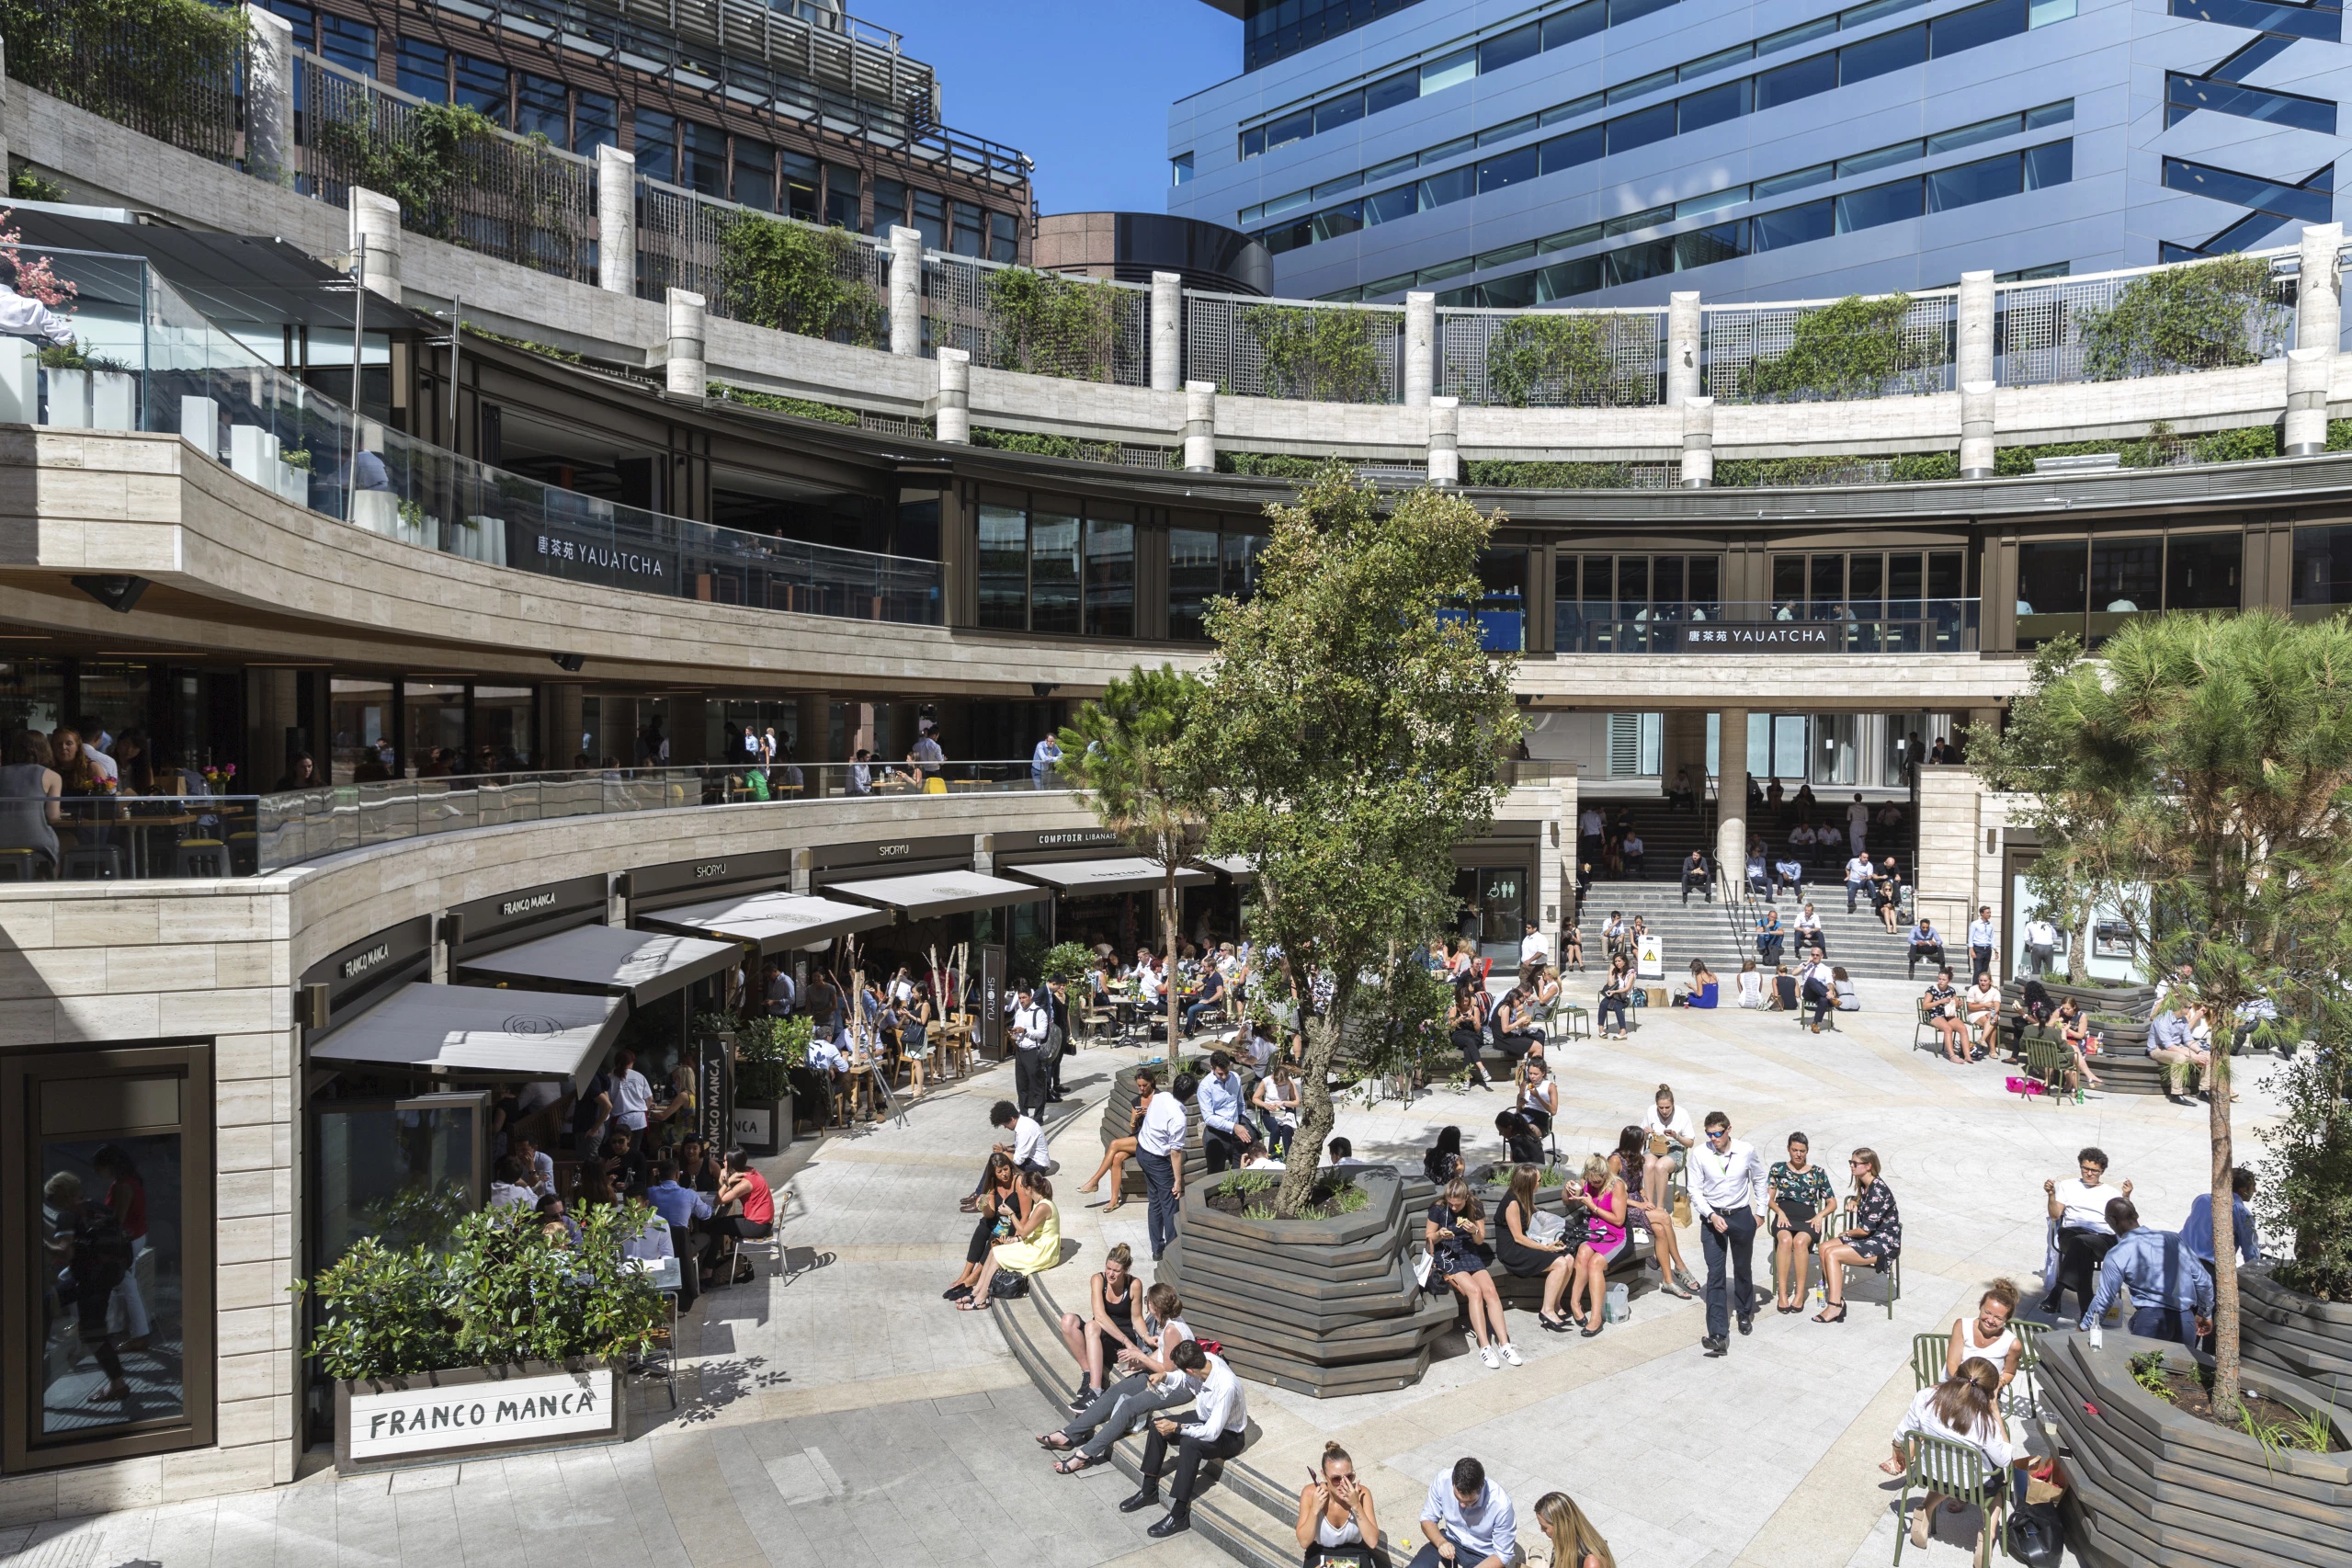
(1012, 318)
(1553, 359)
(1804, 353)
(681, 243)
(1254, 348)
(2045, 330)
(168, 72)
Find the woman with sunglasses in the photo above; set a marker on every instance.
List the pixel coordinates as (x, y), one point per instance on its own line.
(1336, 1523)
(1872, 1238)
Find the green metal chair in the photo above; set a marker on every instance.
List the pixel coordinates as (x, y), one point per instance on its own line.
(1836, 1223)
(1942, 1467)
(2046, 1061)
(2024, 1389)
(1919, 1029)
(1927, 1353)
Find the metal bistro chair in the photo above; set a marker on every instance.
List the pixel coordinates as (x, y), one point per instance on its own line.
(94, 862)
(199, 858)
(1835, 1224)
(2024, 1389)
(1942, 1467)
(1927, 1353)
(2046, 1064)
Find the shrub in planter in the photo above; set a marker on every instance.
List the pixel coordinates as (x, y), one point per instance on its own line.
(2298, 1314)
(769, 1053)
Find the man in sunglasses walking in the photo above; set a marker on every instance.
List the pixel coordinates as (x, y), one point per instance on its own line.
(1727, 1188)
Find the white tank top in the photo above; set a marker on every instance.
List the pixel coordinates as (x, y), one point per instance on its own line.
(1998, 1352)
(1348, 1534)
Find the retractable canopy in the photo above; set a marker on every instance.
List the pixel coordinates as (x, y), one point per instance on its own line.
(926, 896)
(775, 922)
(643, 964)
(1241, 868)
(472, 1028)
(1129, 874)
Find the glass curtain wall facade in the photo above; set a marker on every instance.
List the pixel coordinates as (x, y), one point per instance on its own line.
(1609, 151)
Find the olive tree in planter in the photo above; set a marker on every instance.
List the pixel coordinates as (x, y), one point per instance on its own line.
(2202, 790)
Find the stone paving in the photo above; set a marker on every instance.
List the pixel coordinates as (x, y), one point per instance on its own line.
(841, 1413)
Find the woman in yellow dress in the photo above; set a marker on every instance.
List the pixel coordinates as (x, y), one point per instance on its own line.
(1034, 1246)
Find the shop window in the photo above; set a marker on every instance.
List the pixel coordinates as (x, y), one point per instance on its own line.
(1003, 566)
(1110, 578)
(2322, 569)
(423, 69)
(109, 1242)
(595, 122)
(1192, 582)
(1053, 570)
(506, 729)
(841, 197)
(800, 181)
(349, 44)
(481, 86)
(1241, 551)
(433, 714)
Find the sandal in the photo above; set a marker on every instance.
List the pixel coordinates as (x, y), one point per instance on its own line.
(968, 1304)
(1047, 1440)
(1073, 1464)
(1837, 1307)
(1115, 1207)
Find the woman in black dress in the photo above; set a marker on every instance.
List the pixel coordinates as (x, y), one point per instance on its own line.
(1456, 1238)
(1521, 1146)
(1872, 1237)
(1526, 1258)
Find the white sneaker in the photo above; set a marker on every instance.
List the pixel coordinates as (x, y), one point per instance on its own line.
(1486, 1354)
(1511, 1354)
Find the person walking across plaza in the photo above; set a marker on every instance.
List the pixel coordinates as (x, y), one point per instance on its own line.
(1727, 1191)
(1029, 1027)
(1159, 1149)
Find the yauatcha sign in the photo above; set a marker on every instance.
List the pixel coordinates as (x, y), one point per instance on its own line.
(477, 1410)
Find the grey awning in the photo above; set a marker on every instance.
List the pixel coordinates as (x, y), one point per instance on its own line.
(1130, 874)
(1241, 868)
(472, 1028)
(645, 965)
(941, 892)
(774, 921)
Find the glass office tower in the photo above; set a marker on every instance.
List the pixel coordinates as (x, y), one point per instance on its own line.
(1595, 152)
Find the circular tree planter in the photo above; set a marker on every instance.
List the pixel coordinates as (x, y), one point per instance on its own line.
(1325, 1307)
(2151, 1486)
(2286, 1331)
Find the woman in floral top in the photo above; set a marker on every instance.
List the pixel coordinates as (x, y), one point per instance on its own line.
(1800, 1196)
(1873, 1234)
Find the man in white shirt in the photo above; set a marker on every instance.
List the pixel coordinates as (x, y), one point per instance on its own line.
(1468, 1522)
(1858, 878)
(1984, 938)
(1727, 1194)
(509, 1185)
(1535, 948)
(1219, 1426)
(1589, 826)
(2082, 1236)
(1159, 1149)
(2042, 942)
(1026, 1026)
(1857, 825)
(1635, 852)
(1817, 987)
(630, 1093)
(1027, 1148)
(927, 752)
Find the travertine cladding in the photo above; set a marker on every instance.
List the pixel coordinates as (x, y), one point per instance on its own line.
(1962, 830)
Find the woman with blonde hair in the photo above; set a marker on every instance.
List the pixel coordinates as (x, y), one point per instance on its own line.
(1986, 1337)
(1336, 1523)
(1574, 1542)
(1456, 1234)
(1602, 1199)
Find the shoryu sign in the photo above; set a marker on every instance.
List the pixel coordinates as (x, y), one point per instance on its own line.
(470, 1410)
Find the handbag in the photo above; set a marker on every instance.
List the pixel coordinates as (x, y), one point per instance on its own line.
(2037, 1535)
(1007, 1286)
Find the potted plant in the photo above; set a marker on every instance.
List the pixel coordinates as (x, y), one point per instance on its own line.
(510, 1337)
(768, 1052)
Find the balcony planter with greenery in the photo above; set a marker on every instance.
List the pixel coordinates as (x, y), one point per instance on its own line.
(502, 1340)
(1856, 348)
(797, 278)
(767, 1052)
(1555, 360)
(1326, 355)
(2215, 315)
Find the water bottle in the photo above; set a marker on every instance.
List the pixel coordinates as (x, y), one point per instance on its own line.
(2098, 1338)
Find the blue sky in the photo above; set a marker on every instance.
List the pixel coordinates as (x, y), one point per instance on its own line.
(1083, 86)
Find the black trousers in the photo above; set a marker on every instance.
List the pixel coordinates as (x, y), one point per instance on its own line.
(1030, 1085)
(1730, 1249)
(1818, 998)
(1980, 958)
(1190, 1451)
(1696, 880)
(689, 1248)
(1159, 1180)
(1224, 1149)
(2079, 1251)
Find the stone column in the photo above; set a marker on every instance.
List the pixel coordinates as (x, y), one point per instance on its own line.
(955, 396)
(1684, 324)
(1167, 331)
(1445, 441)
(1977, 449)
(2319, 321)
(815, 728)
(616, 220)
(907, 292)
(1420, 348)
(1731, 793)
(376, 219)
(687, 375)
(1200, 426)
(270, 97)
(1698, 442)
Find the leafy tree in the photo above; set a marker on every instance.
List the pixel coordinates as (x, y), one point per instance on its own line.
(2307, 1189)
(1126, 754)
(1329, 354)
(1855, 348)
(795, 278)
(1350, 731)
(2205, 317)
(2198, 779)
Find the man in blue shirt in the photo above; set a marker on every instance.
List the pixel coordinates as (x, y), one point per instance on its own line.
(1467, 1521)
(1223, 1133)
(681, 1206)
(2172, 1295)
(1043, 762)
(2196, 1230)
(2171, 1043)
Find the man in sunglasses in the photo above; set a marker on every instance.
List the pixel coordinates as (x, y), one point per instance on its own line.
(1727, 1188)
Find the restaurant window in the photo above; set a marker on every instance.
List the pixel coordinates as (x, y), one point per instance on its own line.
(971, 231)
(505, 728)
(2051, 590)
(423, 69)
(433, 714)
(595, 122)
(481, 86)
(801, 181)
(841, 197)
(1004, 565)
(1609, 603)
(106, 1284)
(2322, 570)
(542, 108)
(378, 1156)
(1004, 237)
(1192, 582)
(931, 219)
(1241, 551)
(889, 207)
(656, 146)
(359, 719)
(754, 176)
(2201, 571)
(113, 692)
(1111, 574)
(1053, 570)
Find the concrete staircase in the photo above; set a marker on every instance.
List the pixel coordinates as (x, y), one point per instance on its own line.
(1701, 930)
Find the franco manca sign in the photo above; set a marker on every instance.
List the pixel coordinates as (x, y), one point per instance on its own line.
(473, 1410)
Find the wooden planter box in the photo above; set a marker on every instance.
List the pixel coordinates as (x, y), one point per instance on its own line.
(476, 1412)
(1326, 1307)
(2131, 1001)
(2150, 1487)
(1121, 1106)
(2286, 1331)
(763, 1126)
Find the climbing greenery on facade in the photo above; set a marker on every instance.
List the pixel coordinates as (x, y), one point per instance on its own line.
(1855, 348)
(1323, 355)
(443, 163)
(1051, 327)
(1552, 359)
(166, 68)
(2210, 316)
(796, 277)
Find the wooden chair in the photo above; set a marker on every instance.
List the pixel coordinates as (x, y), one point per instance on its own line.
(1942, 1467)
